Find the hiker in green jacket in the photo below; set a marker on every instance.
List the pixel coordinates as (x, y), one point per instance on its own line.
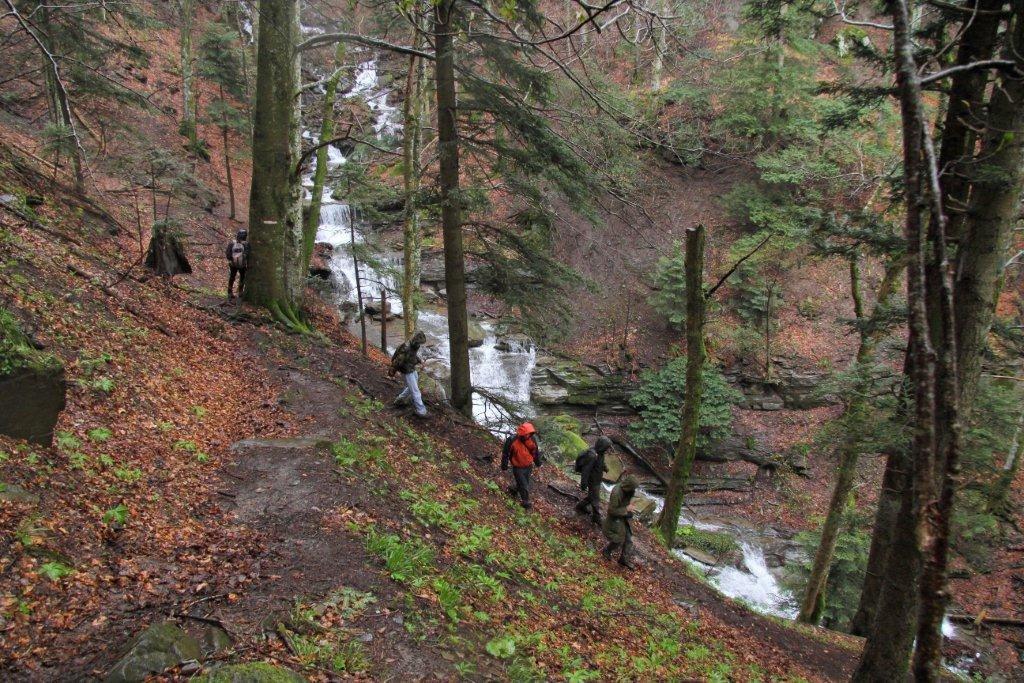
(616, 524)
(591, 466)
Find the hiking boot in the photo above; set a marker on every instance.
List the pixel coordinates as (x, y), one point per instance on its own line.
(627, 564)
(421, 416)
(607, 553)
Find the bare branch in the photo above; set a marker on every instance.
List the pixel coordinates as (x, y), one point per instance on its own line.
(333, 38)
(728, 273)
(973, 66)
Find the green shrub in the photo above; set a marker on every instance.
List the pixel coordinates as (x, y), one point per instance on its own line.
(669, 298)
(659, 400)
(406, 561)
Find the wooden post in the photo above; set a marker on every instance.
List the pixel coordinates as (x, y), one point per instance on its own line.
(384, 319)
(359, 286)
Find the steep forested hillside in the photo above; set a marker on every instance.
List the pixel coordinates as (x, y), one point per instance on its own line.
(770, 249)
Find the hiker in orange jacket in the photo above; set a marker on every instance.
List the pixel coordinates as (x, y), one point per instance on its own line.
(522, 452)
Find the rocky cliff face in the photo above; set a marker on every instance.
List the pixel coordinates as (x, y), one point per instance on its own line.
(32, 385)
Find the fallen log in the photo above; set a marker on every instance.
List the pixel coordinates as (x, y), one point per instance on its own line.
(625, 446)
(563, 492)
(982, 618)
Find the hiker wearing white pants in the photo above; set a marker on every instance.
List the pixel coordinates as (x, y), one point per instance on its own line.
(405, 360)
(412, 393)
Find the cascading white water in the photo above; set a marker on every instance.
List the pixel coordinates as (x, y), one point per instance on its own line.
(756, 584)
(503, 373)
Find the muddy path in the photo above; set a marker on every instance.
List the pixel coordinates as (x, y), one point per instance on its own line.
(284, 489)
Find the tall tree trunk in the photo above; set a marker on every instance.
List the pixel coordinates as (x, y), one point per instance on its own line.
(814, 599)
(991, 217)
(276, 277)
(227, 156)
(886, 654)
(686, 450)
(186, 10)
(451, 206)
(995, 201)
(965, 108)
(320, 173)
(411, 137)
(659, 40)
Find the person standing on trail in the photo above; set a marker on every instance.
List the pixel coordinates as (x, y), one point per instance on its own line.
(405, 360)
(237, 253)
(522, 452)
(616, 524)
(591, 466)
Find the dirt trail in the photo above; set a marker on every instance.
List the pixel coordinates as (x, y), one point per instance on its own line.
(285, 488)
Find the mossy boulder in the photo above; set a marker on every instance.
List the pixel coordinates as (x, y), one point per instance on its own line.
(477, 333)
(32, 385)
(560, 438)
(252, 672)
(158, 648)
(719, 546)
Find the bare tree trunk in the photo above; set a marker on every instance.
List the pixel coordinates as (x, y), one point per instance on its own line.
(886, 654)
(227, 157)
(814, 599)
(686, 450)
(965, 108)
(990, 220)
(659, 40)
(451, 209)
(276, 277)
(322, 155)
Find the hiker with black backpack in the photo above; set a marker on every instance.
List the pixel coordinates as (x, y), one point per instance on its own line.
(591, 467)
(237, 253)
(522, 451)
(405, 360)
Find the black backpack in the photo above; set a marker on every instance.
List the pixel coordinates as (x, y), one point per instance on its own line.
(581, 461)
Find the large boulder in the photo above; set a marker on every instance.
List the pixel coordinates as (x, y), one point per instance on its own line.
(32, 385)
(789, 386)
(158, 648)
(514, 343)
(560, 381)
(477, 334)
(319, 264)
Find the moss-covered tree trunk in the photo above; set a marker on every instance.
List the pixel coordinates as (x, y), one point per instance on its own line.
(320, 173)
(686, 450)
(412, 113)
(451, 205)
(276, 276)
(186, 13)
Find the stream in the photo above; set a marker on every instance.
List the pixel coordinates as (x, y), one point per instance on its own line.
(505, 370)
